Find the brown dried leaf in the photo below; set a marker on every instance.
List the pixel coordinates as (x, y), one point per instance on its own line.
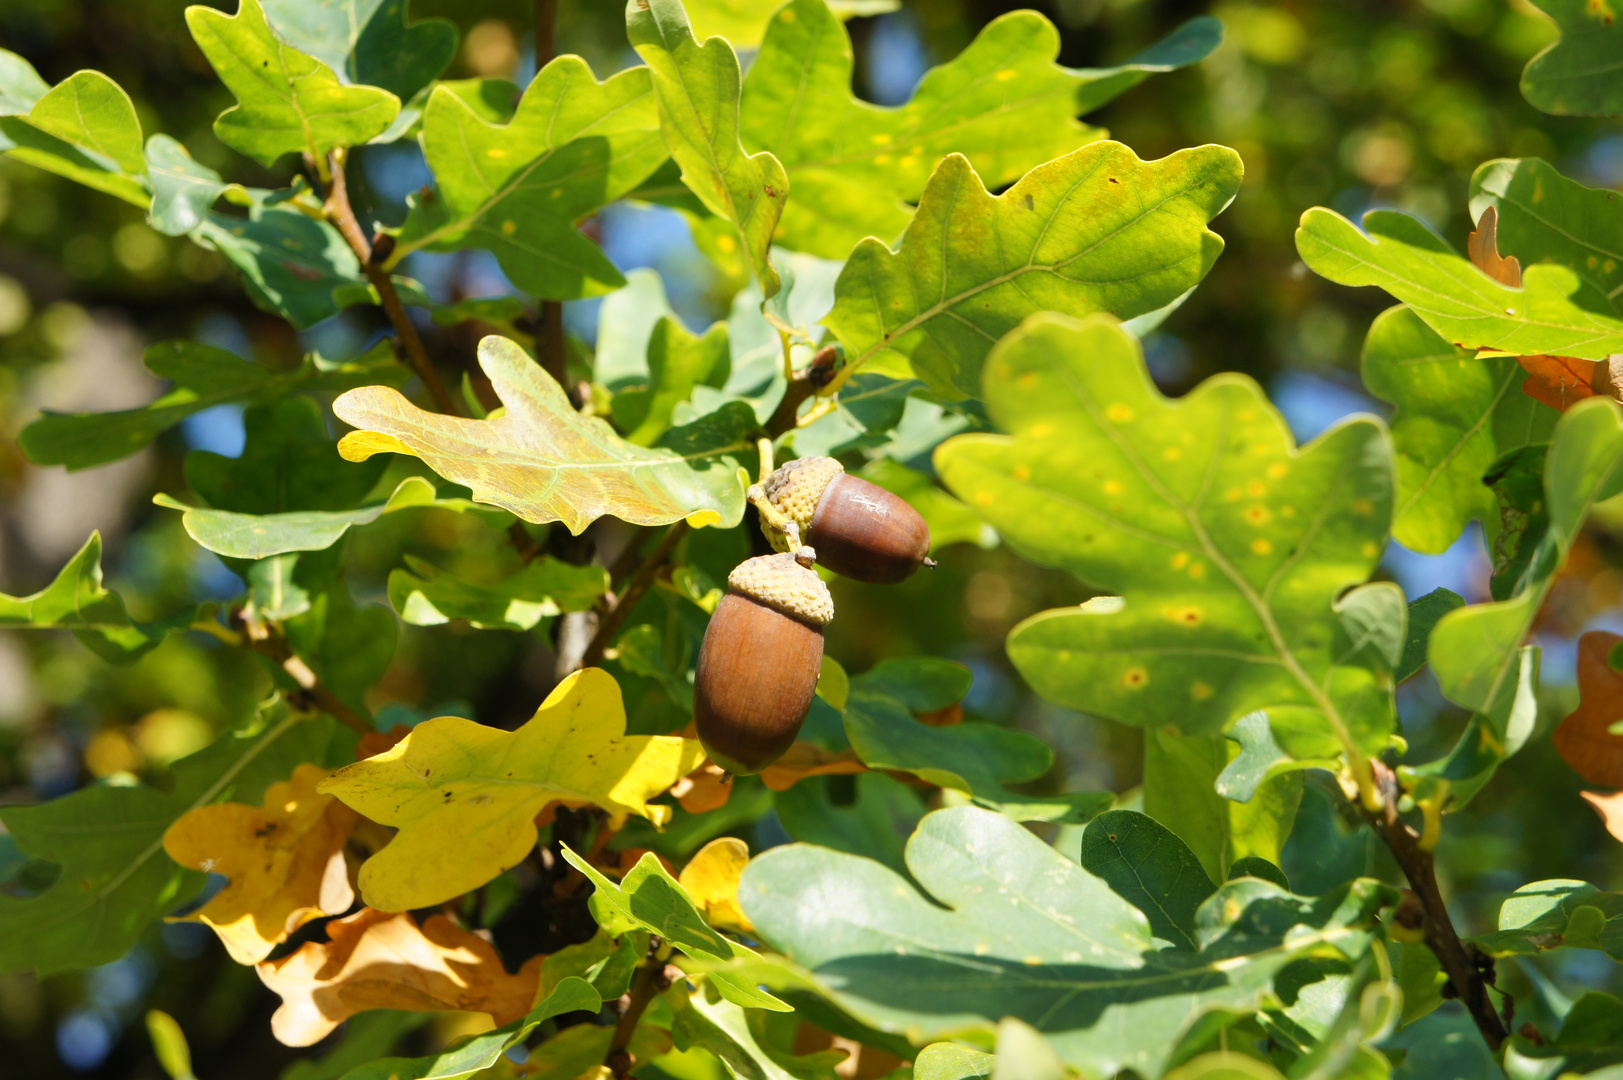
(285, 862)
(808, 759)
(1483, 247)
(376, 960)
(704, 789)
(1610, 809)
(1584, 739)
(1560, 381)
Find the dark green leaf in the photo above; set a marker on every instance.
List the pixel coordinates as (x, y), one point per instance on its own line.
(1145, 864)
(287, 463)
(876, 825)
(1181, 774)
(1577, 75)
(1557, 914)
(1545, 217)
(1424, 614)
(367, 41)
(1591, 1039)
(348, 647)
(291, 264)
(1258, 867)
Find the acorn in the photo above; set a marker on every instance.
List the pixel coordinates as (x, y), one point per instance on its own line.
(858, 529)
(760, 660)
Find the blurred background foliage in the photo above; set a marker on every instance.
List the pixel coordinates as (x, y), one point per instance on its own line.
(1380, 103)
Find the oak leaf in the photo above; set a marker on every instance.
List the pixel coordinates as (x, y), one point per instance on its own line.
(375, 960)
(544, 461)
(704, 789)
(804, 759)
(1610, 809)
(711, 879)
(1483, 247)
(285, 861)
(1585, 739)
(465, 796)
(1562, 381)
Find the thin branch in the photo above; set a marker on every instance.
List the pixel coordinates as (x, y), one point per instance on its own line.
(807, 381)
(273, 645)
(1469, 981)
(635, 589)
(653, 978)
(342, 215)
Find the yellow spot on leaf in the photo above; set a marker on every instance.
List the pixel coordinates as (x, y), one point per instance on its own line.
(1180, 560)
(1041, 431)
(1197, 570)
(1027, 381)
(1172, 453)
(1259, 546)
(1277, 470)
(1022, 472)
(1363, 507)
(1188, 616)
(1006, 74)
(1257, 515)
(726, 243)
(1112, 487)
(1135, 678)
(1200, 691)
(983, 498)
(1370, 550)
(1118, 413)
(509, 228)
(1257, 489)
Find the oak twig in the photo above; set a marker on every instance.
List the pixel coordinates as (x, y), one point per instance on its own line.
(1468, 979)
(806, 382)
(653, 978)
(273, 645)
(342, 216)
(635, 590)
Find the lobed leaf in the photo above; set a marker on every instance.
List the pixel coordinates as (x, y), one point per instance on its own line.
(698, 87)
(369, 42)
(291, 264)
(77, 601)
(427, 596)
(1590, 1044)
(1584, 738)
(1232, 550)
(738, 1039)
(1554, 914)
(517, 186)
(1577, 74)
(544, 461)
(115, 879)
(1147, 865)
(1545, 217)
(1003, 103)
(1002, 925)
(92, 112)
(91, 148)
(875, 825)
(1555, 311)
(464, 796)
(288, 102)
(1456, 416)
(1096, 230)
(183, 191)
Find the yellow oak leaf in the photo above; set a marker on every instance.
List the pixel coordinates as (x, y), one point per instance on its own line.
(375, 960)
(285, 861)
(711, 879)
(464, 796)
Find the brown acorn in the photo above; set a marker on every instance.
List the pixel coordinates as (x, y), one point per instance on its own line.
(858, 529)
(760, 660)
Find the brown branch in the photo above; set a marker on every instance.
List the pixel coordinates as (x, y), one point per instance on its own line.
(635, 590)
(807, 381)
(342, 216)
(653, 978)
(1469, 982)
(270, 643)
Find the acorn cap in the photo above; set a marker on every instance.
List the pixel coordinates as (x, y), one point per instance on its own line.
(796, 489)
(782, 582)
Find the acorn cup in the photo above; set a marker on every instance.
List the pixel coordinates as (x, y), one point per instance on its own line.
(760, 660)
(858, 529)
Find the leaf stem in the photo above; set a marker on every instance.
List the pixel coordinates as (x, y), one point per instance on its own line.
(1459, 961)
(275, 647)
(342, 216)
(652, 980)
(635, 589)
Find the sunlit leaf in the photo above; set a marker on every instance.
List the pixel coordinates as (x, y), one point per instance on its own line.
(737, 1037)
(115, 879)
(1003, 103)
(649, 898)
(1456, 415)
(518, 187)
(1232, 550)
(377, 960)
(424, 595)
(1545, 217)
(92, 112)
(20, 85)
(285, 862)
(698, 92)
(287, 101)
(744, 22)
(183, 190)
(1096, 230)
(1555, 312)
(678, 361)
(464, 796)
(544, 461)
(1577, 75)
(367, 41)
(711, 879)
(999, 924)
(77, 601)
(90, 149)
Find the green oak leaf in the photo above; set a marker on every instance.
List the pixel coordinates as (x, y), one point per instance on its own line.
(1181, 774)
(1554, 914)
(1424, 615)
(678, 361)
(291, 264)
(1232, 550)
(949, 1061)
(288, 102)
(1096, 230)
(347, 645)
(1577, 75)
(1456, 415)
(259, 536)
(287, 463)
(1545, 217)
(92, 112)
(572, 994)
(1146, 864)
(517, 187)
(649, 898)
(744, 22)
(1555, 311)
(876, 825)
(183, 191)
(738, 1039)
(698, 88)
(1003, 103)
(20, 85)
(1590, 1044)
(920, 684)
(544, 461)
(76, 600)
(1476, 652)
(273, 593)
(427, 596)
(367, 42)
(1000, 924)
(976, 760)
(202, 376)
(115, 878)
